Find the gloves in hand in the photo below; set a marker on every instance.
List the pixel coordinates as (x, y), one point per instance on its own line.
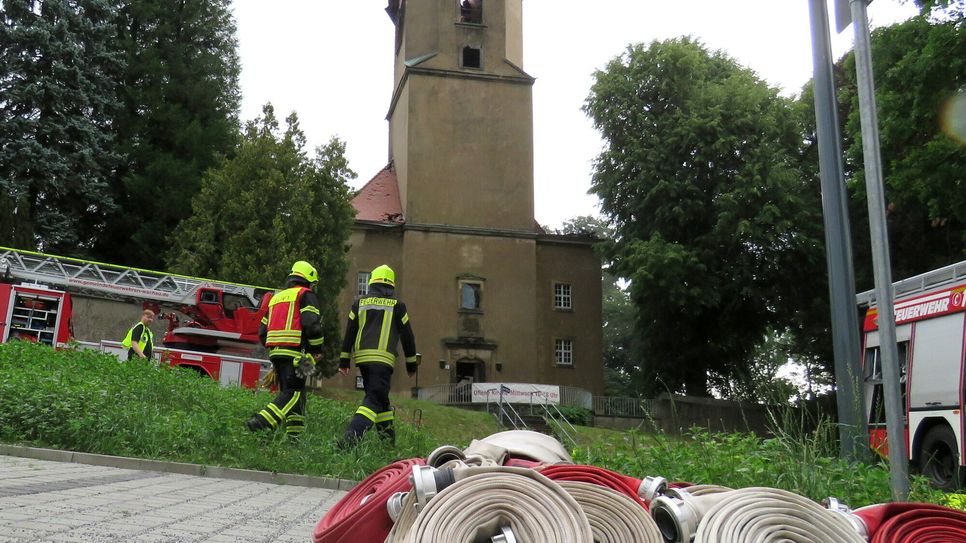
(411, 367)
(305, 366)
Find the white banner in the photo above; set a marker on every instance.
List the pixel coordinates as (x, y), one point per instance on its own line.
(516, 393)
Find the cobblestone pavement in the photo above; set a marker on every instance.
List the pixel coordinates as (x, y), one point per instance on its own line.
(43, 501)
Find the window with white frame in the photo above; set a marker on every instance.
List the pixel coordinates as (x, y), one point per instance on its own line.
(362, 284)
(563, 352)
(562, 298)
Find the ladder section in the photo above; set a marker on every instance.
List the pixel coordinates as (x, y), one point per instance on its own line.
(114, 281)
(917, 284)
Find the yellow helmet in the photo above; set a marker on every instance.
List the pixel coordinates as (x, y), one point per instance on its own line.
(306, 271)
(383, 274)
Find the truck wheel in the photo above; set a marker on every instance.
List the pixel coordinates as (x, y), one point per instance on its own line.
(939, 458)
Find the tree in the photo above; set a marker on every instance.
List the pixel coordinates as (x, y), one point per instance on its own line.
(267, 207)
(919, 67)
(699, 176)
(57, 151)
(180, 112)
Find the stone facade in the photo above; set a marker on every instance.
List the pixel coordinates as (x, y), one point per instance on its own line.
(491, 296)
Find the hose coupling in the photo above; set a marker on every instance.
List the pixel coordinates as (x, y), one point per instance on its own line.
(394, 505)
(428, 481)
(652, 487)
(833, 504)
(677, 522)
(505, 536)
(444, 454)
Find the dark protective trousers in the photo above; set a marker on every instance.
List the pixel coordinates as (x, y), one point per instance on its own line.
(375, 409)
(288, 407)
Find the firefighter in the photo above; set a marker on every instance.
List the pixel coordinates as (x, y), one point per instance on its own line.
(377, 322)
(139, 339)
(292, 332)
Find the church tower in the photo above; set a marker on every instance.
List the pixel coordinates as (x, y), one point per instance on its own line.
(492, 297)
(461, 114)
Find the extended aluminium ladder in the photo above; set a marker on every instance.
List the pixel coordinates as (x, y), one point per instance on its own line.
(919, 283)
(84, 276)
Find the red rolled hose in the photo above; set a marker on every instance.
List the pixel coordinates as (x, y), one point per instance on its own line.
(522, 463)
(599, 476)
(361, 514)
(913, 523)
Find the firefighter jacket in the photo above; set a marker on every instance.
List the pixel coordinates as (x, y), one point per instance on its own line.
(376, 324)
(142, 335)
(293, 323)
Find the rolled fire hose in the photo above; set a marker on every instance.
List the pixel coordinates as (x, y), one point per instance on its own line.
(613, 517)
(627, 486)
(489, 504)
(531, 446)
(361, 514)
(765, 515)
(913, 523)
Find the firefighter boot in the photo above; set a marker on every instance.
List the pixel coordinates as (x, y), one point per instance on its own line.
(257, 423)
(387, 432)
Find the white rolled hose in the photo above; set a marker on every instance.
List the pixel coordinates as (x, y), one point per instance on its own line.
(490, 504)
(613, 517)
(770, 515)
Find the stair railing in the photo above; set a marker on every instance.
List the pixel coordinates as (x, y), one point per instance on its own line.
(554, 418)
(505, 412)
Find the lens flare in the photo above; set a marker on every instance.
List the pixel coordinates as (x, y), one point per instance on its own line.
(954, 118)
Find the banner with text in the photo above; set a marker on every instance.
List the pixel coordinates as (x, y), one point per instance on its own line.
(516, 393)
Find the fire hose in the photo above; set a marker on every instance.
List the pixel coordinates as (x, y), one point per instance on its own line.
(613, 517)
(628, 486)
(361, 514)
(475, 503)
(912, 523)
(750, 515)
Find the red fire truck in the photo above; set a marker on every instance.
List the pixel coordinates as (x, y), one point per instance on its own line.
(930, 311)
(218, 338)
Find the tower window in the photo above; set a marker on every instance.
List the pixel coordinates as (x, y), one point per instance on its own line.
(471, 296)
(471, 11)
(471, 57)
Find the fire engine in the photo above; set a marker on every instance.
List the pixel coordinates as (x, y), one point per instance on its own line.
(930, 310)
(219, 337)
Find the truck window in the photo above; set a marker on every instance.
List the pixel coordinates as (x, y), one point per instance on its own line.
(872, 375)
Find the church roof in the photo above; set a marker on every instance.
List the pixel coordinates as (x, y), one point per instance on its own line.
(378, 200)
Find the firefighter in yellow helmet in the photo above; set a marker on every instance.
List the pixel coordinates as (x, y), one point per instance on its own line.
(291, 329)
(377, 322)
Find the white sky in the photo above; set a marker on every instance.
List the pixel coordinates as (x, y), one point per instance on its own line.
(331, 62)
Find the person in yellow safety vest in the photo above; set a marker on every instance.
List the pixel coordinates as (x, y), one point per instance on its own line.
(291, 328)
(377, 322)
(139, 339)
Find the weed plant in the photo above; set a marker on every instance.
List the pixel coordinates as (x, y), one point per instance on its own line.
(798, 458)
(89, 402)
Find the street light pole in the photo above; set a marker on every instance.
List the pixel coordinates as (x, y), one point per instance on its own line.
(838, 246)
(898, 460)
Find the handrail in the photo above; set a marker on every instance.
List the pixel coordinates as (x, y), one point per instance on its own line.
(502, 407)
(553, 413)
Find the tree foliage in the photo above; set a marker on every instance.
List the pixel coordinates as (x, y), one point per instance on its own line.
(699, 176)
(180, 112)
(919, 67)
(267, 207)
(57, 149)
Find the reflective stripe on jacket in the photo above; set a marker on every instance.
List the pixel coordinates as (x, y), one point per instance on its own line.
(284, 319)
(376, 325)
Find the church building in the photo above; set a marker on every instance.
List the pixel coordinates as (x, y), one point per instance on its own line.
(492, 297)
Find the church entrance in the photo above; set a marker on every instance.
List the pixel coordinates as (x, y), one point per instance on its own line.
(469, 370)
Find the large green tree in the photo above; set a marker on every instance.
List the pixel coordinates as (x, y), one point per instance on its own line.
(920, 69)
(267, 207)
(57, 92)
(180, 112)
(699, 176)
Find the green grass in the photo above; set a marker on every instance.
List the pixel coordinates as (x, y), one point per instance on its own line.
(89, 402)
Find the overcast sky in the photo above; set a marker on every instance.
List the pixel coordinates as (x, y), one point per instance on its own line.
(331, 62)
